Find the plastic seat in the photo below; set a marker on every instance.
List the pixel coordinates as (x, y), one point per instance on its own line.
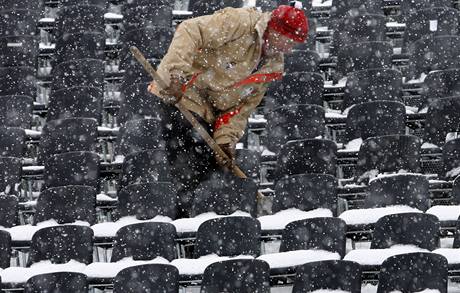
(148, 200)
(12, 142)
(315, 233)
(436, 21)
(101, 3)
(378, 118)
(72, 168)
(225, 195)
(67, 135)
(306, 192)
(241, 275)
(328, 275)
(67, 204)
(139, 135)
(10, 174)
(228, 236)
(399, 189)
(18, 51)
(408, 7)
(440, 84)
(364, 55)
(342, 8)
(79, 46)
(372, 85)
(5, 249)
(294, 122)
(358, 28)
(296, 88)
(135, 76)
(421, 230)
(9, 207)
(80, 19)
(16, 111)
(19, 80)
(389, 153)
(249, 162)
(451, 159)
(145, 241)
(139, 279)
(138, 103)
(153, 42)
(310, 43)
(59, 282)
(433, 53)
(60, 244)
(37, 5)
(145, 167)
(84, 102)
(442, 117)
(301, 61)
(413, 272)
(81, 72)
(205, 7)
(307, 156)
(139, 16)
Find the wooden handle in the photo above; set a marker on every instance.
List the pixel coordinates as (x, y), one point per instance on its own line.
(189, 116)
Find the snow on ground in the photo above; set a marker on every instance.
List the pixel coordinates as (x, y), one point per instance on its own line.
(280, 219)
(371, 216)
(445, 213)
(297, 257)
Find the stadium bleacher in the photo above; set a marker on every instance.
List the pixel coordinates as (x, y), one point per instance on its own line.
(356, 152)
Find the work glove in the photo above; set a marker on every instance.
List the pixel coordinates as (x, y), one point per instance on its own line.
(229, 149)
(173, 93)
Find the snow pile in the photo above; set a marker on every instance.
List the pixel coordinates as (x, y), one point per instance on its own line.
(297, 257)
(191, 224)
(423, 291)
(197, 266)
(453, 173)
(25, 232)
(354, 145)
(378, 256)
(279, 220)
(371, 216)
(110, 270)
(445, 213)
(451, 254)
(109, 229)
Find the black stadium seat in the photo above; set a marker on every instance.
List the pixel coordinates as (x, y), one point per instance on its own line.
(139, 279)
(35, 5)
(60, 244)
(240, 275)
(58, 282)
(301, 61)
(145, 241)
(306, 192)
(228, 236)
(421, 230)
(440, 84)
(5, 249)
(443, 116)
(100, 3)
(409, 6)
(12, 142)
(451, 159)
(148, 200)
(294, 122)
(67, 135)
(413, 272)
(80, 19)
(372, 85)
(249, 162)
(139, 135)
(16, 111)
(81, 72)
(20, 80)
(18, 50)
(10, 174)
(135, 17)
(79, 46)
(8, 210)
(375, 118)
(328, 274)
(67, 204)
(205, 7)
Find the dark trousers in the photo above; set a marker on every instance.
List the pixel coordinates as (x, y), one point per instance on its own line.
(191, 159)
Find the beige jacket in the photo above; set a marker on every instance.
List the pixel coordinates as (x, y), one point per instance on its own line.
(218, 55)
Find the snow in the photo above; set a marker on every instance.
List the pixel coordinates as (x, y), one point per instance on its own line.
(110, 270)
(451, 254)
(427, 145)
(109, 229)
(279, 220)
(297, 257)
(334, 115)
(257, 120)
(111, 15)
(354, 145)
(197, 266)
(182, 12)
(104, 197)
(400, 172)
(108, 129)
(191, 224)
(25, 232)
(329, 291)
(33, 168)
(370, 216)
(445, 213)
(423, 291)
(395, 24)
(119, 159)
(21, 275)
(33, 133)
(378, 256)
(454, 172)
(267, 153)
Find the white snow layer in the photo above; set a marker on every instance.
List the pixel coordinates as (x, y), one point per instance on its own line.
(370, 216)
(279, 220)
(191, 224)
(378, 256)
(25, 232)
(197, 266)
(445, 213)
(297, 257)
(109, 229)
(110, 270)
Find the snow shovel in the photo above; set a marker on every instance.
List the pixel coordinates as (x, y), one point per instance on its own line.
(189, 116)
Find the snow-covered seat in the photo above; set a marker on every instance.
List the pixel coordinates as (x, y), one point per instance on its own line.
(386, 195)
(448, 214)
(58, 282)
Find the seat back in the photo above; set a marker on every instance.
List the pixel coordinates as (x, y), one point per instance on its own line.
(451, 159)
(18, 50)
(79, 46)
(10, 174)
(139, 278)
(5, 249)
(16, 111)
(58, 282)
(139, 135)
(12, 142)
(81, 72)
(442, 117)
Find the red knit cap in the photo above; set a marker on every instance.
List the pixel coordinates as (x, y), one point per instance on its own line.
(291, 22)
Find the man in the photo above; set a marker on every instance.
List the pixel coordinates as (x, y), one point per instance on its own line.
(219, 67)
